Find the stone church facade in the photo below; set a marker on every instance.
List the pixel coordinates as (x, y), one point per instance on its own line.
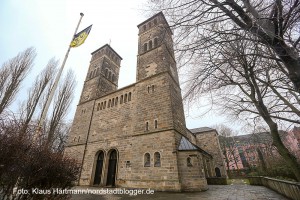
(136, 136)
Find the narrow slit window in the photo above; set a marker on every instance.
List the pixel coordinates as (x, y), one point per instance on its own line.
(125, 98)
(147, 126)
(147, 160)
(150, 44)
(129, 96)
(156, 159)
(121, 99)
(113, 102)
(116, 103)
(155, 42)
(145, 47)
(155, 124)
(108, 105)
(104, 105)
(152, 88)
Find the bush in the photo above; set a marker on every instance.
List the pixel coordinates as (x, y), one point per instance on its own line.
(26, 165)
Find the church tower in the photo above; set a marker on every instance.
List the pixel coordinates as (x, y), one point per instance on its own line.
(156, 58)
(103, 74)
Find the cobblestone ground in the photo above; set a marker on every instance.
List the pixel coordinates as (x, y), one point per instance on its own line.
(215, 192)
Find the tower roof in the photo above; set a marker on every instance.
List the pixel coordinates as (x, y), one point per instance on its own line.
(107, 45)
(158, 14)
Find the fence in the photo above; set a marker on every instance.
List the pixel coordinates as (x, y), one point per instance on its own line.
(286, 188)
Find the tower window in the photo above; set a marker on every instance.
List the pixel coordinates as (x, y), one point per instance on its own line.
(148, 89)
(144, 27)
(104, 105)
(145, 47)
(98, 107)
(106, 72)
(109, 102)
(150, 44)
(155, 124)
(152, 88)
(101, 106)
(109, 75)
(116, 103)
(113, 78)
(156, 159)
(129, 96)
(189, 162)
(97, 72)
(155, 21)
(147, 126)
(125, 98)
(121, 99)
(113, 102)
(150, 24)
(155, 42)
(147, 160)
(91, 74)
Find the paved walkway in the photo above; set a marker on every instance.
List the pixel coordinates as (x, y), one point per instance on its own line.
(215, 192)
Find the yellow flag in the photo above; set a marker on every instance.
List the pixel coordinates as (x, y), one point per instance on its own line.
(80, 37)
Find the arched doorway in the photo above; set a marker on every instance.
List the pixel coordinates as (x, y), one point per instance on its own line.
(112, 165)
(99, 166)
(218, 172)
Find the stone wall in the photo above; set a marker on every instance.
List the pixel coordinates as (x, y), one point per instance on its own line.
(209, 142)
(191, 172)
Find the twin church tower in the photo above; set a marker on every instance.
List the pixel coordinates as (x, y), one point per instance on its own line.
(136, 136)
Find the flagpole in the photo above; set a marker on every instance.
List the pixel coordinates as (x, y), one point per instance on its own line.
(45, 109)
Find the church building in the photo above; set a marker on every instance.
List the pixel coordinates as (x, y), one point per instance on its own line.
(136, 136)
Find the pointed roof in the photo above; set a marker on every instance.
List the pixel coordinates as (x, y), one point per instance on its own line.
(186, 145)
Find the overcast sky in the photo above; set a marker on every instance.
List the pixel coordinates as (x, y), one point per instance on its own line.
(48, 25)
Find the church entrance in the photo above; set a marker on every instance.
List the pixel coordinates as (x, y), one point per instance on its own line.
(112, 165)
(218, 172)
(99, 166)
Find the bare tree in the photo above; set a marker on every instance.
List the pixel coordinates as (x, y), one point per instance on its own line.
(12, 73)
(35, 92)
(61, 104)
(199, 24)
(243, 85)
(228, 146)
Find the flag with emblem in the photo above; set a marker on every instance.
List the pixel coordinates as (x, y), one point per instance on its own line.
(80, 37)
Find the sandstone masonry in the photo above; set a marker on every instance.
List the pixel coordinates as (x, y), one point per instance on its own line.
(136, 136)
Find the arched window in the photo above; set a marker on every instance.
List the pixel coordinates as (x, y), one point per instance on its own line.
(152, 88)
(129, 96)
(109, 75)
(147, 160)
(155, 124)
(109, 102)
(155, 42)
(97, 72)
(144, 27)
(91, 74)
(121, 99)
(150, 44)
(189, 162)
(113, 78)
(148, 89)
(101, 106)
(155, 21)
(150, 24)
(147, 126)
(156, 159)
(104, 105)
(116, 103)
(98, 107)
(106, 72)
(145, 47)
(113, 102)
(125, 98)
